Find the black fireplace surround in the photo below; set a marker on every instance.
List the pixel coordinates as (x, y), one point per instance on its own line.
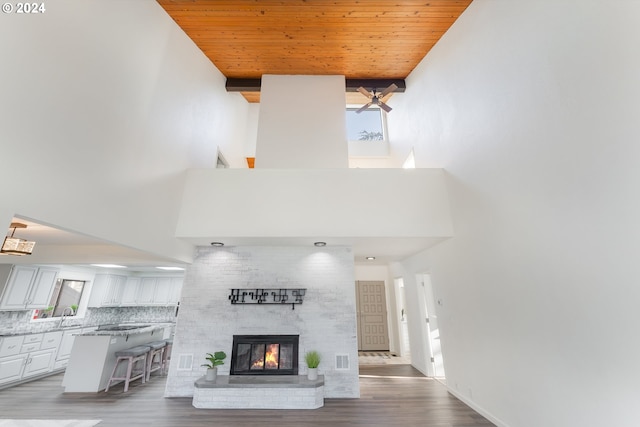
(264, 355)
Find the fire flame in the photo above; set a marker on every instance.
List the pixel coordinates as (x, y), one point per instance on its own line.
(270, 359)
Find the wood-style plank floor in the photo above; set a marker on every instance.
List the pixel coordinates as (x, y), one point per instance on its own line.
(391, 395)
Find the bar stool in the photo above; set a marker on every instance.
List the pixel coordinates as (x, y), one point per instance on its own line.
(155, 356)
(166, 357)
(132, 356)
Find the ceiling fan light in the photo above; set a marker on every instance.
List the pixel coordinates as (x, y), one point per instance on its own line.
(16, 246)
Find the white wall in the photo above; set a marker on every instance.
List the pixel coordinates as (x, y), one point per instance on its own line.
(108, 103)
(325, 321)
(532, 107)
(302, 122)
(314, 202)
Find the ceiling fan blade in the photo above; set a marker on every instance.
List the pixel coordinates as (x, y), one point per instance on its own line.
(364, 92)
(384, 106)
(390, 89)
(364, 107)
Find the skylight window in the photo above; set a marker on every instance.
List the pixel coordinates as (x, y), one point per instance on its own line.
(365, 126)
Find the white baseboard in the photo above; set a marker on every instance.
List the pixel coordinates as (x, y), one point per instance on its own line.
(498, 422)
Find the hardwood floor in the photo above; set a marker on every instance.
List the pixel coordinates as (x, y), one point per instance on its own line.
(391, 395)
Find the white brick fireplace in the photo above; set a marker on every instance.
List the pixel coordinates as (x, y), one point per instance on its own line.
(325, 322)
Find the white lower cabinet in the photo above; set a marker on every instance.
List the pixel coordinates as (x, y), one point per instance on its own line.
(64, 351)
(11, 368)
(25, 356)
(10, 346)
(39, 362)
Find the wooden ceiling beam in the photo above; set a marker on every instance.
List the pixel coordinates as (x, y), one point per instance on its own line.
(352, 85)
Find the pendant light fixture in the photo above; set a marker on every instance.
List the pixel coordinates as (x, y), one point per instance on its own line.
(14, 245)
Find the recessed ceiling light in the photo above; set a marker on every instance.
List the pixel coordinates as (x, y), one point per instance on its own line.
(370, 258)
(217, 244)
(109, 265)
(170, 268)
(320, 244)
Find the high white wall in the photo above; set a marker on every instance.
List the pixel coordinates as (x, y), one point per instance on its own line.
(532, 109)
(302, 122)
(104, 105)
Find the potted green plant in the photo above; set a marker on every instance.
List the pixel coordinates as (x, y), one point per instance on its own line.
(213, 361)
(312, 359)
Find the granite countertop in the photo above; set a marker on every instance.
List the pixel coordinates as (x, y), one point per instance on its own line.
(11, 333)
(124, 329)
(148, 327)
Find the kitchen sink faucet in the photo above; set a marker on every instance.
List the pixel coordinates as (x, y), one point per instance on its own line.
(63, 315)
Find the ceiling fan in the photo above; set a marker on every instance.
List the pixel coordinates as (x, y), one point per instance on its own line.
(376, 97)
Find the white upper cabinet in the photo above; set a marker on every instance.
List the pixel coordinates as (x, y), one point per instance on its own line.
(42, 288)
(107, 290)
(130, 292)
(176, 290)
(163, 291)
(28, 287)
(111, 290)
(146, 291)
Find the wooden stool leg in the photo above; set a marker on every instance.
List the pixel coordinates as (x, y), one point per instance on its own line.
(128, 376)
(113, 373)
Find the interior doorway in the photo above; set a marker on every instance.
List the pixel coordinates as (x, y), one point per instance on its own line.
(371, 306)
(435, 365)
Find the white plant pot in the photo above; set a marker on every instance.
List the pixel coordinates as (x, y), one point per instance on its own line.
(212, 374)
(312, 374)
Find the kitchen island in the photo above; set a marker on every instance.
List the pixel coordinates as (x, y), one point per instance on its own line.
(93, 353)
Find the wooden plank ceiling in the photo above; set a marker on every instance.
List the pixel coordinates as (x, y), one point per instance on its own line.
(360, 39)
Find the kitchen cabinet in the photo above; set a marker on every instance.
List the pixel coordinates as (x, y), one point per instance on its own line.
(64, 350)
(146, 291)
(111, 290)
(38, 362)
(11, 368)
(107, 290)
(163, 291)
(130, 292)
(10, 346)
(176, 290)
(25, 356)
(149, 291)
(28, 287)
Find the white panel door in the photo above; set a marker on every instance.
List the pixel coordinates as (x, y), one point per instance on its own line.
(147, 291)
(372, 316)
(130, 292)
(39, 362)
(42, 289)
(17, 292)
(163, 291)
(11, 368)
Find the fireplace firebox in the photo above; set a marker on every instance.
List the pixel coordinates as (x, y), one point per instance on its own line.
(264, 355)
